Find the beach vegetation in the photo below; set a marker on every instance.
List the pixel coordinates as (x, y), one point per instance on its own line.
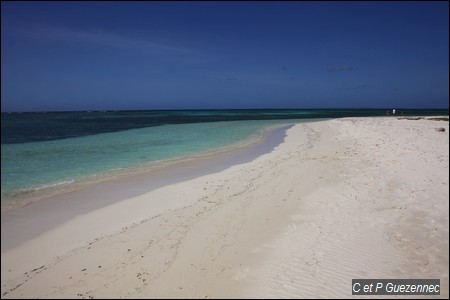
(439, 119)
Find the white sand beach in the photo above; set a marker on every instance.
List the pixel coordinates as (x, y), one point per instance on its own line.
(337, 200)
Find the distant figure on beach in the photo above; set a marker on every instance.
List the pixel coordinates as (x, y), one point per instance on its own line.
(387, 113)
(393, 111)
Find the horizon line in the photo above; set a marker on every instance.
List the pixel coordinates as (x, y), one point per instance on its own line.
(192, 109)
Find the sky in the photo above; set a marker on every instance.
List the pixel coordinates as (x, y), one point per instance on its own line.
(63, 56)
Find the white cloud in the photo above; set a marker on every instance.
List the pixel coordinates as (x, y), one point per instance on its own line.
(107, 39)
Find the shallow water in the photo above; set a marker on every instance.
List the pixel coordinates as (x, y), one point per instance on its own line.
(45, 150)
(37, 165)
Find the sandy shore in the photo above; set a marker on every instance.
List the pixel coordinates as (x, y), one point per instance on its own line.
(338, 199)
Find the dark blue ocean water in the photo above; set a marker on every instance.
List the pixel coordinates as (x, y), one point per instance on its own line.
(32, 127)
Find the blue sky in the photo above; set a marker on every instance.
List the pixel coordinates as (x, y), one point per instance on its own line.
(187, 55)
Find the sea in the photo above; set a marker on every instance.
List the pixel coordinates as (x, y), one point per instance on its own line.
(43, 150)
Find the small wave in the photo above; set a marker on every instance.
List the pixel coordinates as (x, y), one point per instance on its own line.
(19, 192)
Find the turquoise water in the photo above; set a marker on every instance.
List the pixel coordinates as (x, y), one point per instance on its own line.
(41, 150)
(37, 165)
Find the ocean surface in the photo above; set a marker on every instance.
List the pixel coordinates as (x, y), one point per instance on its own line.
(45, 150)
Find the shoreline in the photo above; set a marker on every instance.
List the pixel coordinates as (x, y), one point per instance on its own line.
(56, 208)
(24, 198)
(338, 199)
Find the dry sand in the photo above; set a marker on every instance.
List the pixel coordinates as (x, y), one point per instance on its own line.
(339, 199)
